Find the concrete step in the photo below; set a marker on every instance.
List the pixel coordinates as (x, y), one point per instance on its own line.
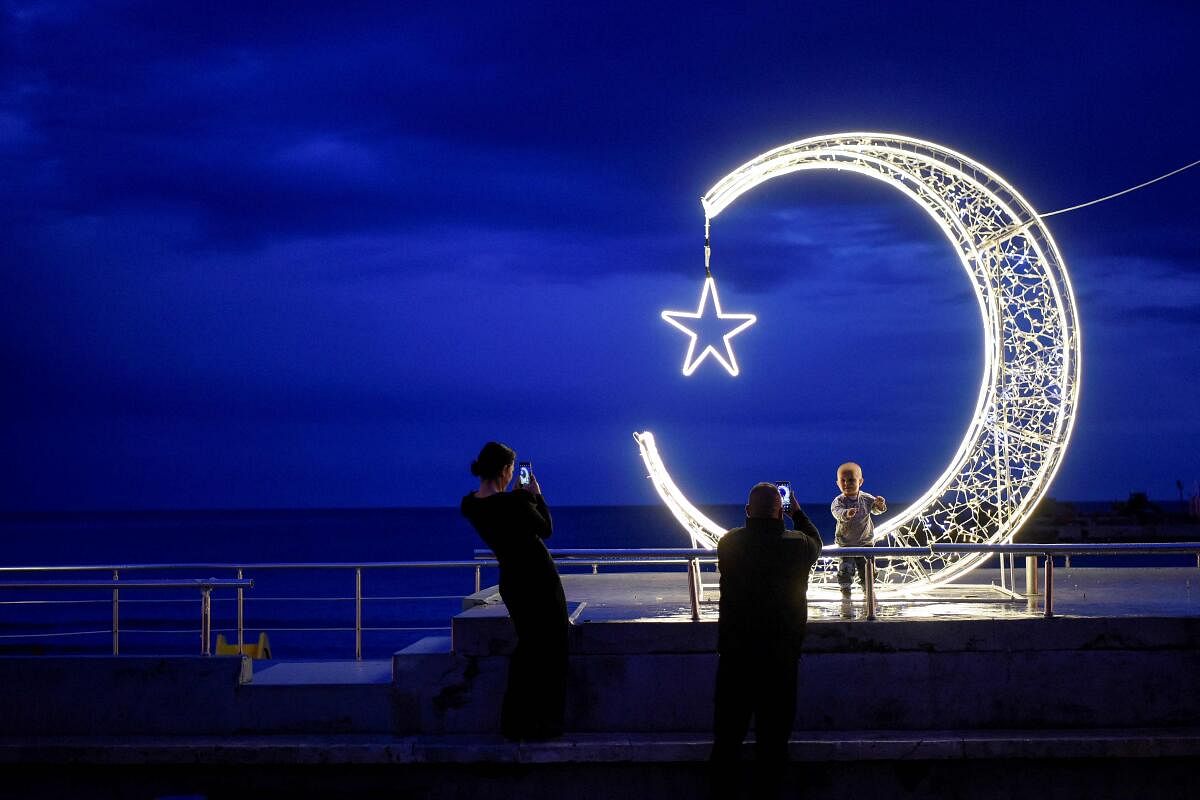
(321, 673)
(427, 645)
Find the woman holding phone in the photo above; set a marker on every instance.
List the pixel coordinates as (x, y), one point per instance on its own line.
(514, 525)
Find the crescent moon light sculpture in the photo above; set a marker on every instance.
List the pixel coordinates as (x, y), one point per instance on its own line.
(1031, 372)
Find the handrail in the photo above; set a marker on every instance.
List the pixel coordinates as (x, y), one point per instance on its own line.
(205, 585)
(691, 557)
(243, 565)
(240, 568)
(1032, 550)
(833, 550)
(181, 583)
(694, 556)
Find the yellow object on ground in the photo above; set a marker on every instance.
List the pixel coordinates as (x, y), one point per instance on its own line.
(260, 650)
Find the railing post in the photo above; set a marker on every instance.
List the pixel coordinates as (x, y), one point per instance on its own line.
(693, 580)
(358, 613)
(116, 623)
(240, 619)
(205, 620)
(1049, 600)
(478, 578)
(595, 568)
(869, 587)
(1031, 575)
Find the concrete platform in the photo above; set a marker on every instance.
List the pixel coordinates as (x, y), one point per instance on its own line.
(938, 695)
(966, 657)
(1078, 592)
(635, 600)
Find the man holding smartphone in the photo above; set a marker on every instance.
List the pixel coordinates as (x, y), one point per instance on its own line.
(764, 609)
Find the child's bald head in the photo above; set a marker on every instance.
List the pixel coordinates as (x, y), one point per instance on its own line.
(849, 478)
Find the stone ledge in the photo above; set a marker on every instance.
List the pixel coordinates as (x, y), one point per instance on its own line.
(596, 748)
(487, 630)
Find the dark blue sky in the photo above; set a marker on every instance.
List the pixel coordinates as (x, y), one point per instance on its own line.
(299, 256)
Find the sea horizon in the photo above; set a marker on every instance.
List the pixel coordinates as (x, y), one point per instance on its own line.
(318, 509)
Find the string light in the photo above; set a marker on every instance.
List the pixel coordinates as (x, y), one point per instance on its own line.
(702, 530)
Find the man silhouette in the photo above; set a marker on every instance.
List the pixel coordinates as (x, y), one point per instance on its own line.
(764, 608)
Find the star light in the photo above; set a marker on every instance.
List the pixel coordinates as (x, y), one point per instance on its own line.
(691, 360)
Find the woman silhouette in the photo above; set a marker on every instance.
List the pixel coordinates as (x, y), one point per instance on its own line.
(514, 525)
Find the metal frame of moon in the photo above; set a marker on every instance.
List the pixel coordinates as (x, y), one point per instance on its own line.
(1029, 389)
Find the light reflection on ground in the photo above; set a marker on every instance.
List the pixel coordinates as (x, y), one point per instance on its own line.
(1080, 592)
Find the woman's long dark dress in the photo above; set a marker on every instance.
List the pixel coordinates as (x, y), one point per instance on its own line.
(513, 525)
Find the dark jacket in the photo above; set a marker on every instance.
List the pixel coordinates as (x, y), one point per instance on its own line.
(764, 586)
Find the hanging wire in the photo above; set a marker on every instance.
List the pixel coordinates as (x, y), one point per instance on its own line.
(1099, 199)
(707, 249)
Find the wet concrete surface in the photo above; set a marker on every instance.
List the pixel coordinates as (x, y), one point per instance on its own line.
(1077, 592)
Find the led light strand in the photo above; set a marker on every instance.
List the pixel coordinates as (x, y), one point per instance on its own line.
(702, 530)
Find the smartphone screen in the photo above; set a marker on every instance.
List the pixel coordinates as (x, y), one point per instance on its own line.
(524, 472)
(785, 493)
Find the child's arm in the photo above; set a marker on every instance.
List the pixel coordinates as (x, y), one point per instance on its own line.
(879, 506)
(840, 512)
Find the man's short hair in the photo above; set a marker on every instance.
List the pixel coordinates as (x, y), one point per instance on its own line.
(764, 500)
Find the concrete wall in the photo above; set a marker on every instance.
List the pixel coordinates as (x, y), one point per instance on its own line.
(655, 676)
(856, 675)
(101, 695)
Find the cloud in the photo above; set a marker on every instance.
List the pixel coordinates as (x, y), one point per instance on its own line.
(1185, 315)
(16, 131)
(841, 247)
(1120, 289)
(414, 222)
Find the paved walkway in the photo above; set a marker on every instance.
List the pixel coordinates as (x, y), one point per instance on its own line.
(596, 747)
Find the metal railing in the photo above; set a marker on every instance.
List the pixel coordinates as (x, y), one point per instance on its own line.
(205, 585)
(239, 582)
(691, 558)
(1032, 551)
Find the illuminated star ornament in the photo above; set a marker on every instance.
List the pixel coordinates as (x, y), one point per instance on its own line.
(739, 323)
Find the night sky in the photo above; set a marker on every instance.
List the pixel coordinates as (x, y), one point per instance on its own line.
(316, 256)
